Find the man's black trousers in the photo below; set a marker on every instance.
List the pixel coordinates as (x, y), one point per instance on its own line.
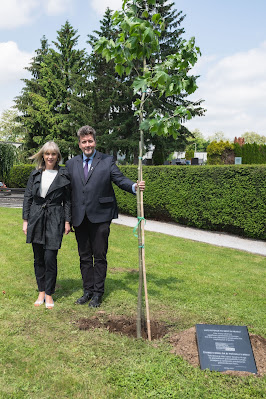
(92, 239)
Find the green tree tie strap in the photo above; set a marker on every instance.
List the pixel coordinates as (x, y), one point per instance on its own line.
(140, 218)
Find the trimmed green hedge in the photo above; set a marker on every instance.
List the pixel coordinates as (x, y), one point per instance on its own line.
(229, 198)
(19, 175)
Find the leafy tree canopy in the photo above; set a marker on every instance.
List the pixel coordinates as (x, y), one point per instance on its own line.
(197, 141)
(10, 128)
(253, 137)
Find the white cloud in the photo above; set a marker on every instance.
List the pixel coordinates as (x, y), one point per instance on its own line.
(57, 7)
(15, 13)
(100, 6)
(12, 64)
(234, 90)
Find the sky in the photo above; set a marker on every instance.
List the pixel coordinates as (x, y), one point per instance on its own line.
(230, 33)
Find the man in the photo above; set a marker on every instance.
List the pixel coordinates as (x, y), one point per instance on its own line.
(93, 208)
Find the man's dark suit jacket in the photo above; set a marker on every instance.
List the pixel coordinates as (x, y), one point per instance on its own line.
(95, 197)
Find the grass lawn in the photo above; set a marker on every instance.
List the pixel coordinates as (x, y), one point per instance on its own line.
(44, 354)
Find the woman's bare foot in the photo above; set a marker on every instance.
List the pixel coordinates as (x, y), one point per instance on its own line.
(40, 299)
(49, 303)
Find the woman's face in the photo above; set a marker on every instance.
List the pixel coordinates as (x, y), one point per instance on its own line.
(50, 157)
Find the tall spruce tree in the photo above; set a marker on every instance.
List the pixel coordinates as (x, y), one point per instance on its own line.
(25, 103)
(54, 101)
(112, 97)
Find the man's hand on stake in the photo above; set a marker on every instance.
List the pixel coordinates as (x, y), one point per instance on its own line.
(141, 185)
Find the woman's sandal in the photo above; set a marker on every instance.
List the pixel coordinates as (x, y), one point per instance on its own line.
(49, 305)
(39, 303)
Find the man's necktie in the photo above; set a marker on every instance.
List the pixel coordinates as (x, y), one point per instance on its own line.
(86, 169)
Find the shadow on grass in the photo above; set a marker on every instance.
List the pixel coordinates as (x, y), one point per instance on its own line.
(128, 281)
(119, 281)
(66, 287)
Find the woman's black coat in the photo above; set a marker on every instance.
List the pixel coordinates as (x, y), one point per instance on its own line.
(47, 216)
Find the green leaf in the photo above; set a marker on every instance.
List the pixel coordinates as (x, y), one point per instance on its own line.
(139, 84)
(119, 69)
(156, 18)
(128, 70)
(145, 125)
(148, 35)
(137, 102)
(145, 14)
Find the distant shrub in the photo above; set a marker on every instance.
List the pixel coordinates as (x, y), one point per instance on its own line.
(7, 158)
(220, 153)
(19, 175)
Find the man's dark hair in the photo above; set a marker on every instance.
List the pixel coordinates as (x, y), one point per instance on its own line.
(85, 130)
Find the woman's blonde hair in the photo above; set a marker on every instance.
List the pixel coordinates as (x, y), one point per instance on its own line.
(38, 157)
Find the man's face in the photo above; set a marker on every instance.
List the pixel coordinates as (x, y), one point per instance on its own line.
(87, 145)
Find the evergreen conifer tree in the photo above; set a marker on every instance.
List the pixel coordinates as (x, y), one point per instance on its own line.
(112, 98)
(54, 101)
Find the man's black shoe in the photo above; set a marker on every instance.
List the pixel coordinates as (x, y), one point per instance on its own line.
(96, 301)
(85, 298)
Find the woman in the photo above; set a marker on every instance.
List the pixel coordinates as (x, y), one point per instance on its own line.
(46, 216)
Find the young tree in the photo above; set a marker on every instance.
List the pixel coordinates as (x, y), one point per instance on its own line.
(135, 48)
(170, 41)
(113, 96)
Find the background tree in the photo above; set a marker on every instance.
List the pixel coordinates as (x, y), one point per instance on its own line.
(219, 153)
(25, 102)
(111, 100)
(217, 136)
(7, 159)
(252, 137)
(10, 128)
(197, 142)
(54, 102)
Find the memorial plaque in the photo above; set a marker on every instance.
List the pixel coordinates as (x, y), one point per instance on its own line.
(223, 348)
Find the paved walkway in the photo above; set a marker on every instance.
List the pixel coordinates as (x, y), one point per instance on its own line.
(173, 229)
(214, 238)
